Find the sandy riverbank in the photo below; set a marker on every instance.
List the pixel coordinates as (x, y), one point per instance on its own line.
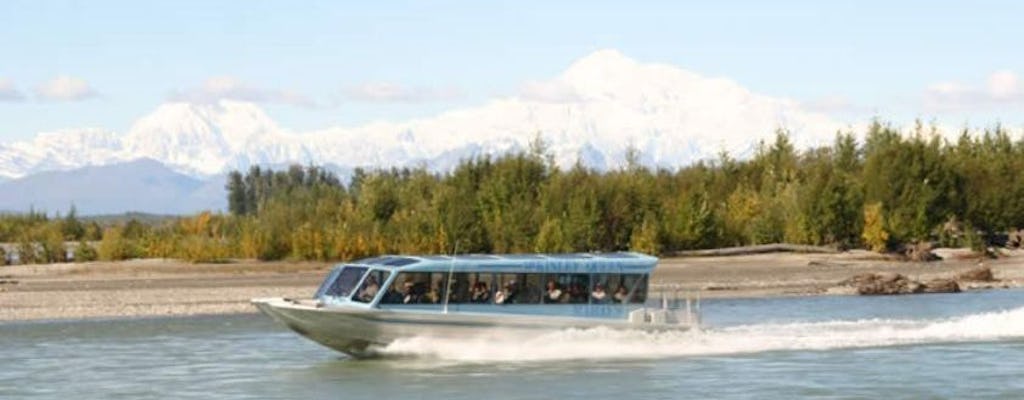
(168, 287)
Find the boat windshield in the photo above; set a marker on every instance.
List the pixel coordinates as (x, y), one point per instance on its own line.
(345, 281)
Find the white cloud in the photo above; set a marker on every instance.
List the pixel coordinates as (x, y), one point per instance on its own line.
(1004, 85)
(231, 88)
(385, 92)
(1001, 88)
(65, 88)
(8, 92)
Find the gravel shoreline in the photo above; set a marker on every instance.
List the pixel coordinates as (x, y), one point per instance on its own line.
(146, 288)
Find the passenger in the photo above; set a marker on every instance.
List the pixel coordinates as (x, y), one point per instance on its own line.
(410, 295)
(507, 295)
(393, 296)
(454, 293)
(621, 294)
(431, 295)
(599, 295)
(513, 292)
(370, 289)
(554, 294)
(480, 293)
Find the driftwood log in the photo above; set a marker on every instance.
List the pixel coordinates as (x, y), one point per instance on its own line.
(756, 249)
(890, 283)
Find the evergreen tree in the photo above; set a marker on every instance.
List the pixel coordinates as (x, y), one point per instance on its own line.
(53, 250)
(84, 252)
(890, 190)
(72, 227)
(551, 238)
(237, 204)
(93, 231)
(644, 238)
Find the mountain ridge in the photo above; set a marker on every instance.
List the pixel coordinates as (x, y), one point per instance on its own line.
(142, 185)
(600, 105)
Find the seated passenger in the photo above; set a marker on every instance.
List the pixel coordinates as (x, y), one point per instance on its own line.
(554, 293)
(513, 293)
(410, 295)
(621, 294)
(393, 296)
(370, 289)
(599, 296)
(429, 294)
(480, 293)
(507, 295)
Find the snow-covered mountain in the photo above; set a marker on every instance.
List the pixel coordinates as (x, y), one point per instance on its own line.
(597, 107)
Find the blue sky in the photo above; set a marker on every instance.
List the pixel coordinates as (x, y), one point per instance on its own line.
(317, 64)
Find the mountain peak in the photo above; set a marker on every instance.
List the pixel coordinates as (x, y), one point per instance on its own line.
(604, 59)
(199, 137)
(597, 72)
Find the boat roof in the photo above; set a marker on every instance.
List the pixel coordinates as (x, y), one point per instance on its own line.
(583, 263)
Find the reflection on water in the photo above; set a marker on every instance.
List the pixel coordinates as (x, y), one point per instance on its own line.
(966, 345)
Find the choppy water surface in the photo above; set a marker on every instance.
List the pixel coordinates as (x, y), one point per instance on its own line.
(930, 346)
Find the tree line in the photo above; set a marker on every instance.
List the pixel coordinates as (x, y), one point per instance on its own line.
(889, 190)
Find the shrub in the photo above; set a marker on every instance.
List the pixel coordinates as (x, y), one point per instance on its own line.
(875, 235)
(84, 252)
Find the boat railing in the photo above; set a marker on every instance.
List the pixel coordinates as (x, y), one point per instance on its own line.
(676, 305)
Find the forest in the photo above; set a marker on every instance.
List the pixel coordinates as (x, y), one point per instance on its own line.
(889, 190)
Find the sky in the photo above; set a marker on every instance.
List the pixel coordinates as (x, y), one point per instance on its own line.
(310, 64)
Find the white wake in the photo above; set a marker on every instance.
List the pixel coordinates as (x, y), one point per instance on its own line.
(616, 344)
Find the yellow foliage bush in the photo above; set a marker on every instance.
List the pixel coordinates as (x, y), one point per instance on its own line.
(874, 234)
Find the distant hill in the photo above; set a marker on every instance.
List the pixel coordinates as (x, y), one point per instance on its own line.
(145, 218)
(144, 186)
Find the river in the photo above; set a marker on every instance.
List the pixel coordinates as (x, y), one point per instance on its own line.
(968, 345)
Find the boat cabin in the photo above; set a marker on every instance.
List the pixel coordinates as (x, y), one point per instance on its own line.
(490, 283)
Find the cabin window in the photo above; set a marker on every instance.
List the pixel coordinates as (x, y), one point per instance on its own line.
(566, 288)
(604, 288)
(481, 288)
(430, 288)
(637, 285)
(517, 289)
(533, 288)
(346, 281)
(619, 288)
(506, 289)
(459, 288)
(326, 285)
(414, 288)
(371, 286)
(438, 282)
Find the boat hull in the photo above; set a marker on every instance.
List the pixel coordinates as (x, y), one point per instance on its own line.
(358, 331)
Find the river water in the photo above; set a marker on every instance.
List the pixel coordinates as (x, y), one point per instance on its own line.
(968, 345)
